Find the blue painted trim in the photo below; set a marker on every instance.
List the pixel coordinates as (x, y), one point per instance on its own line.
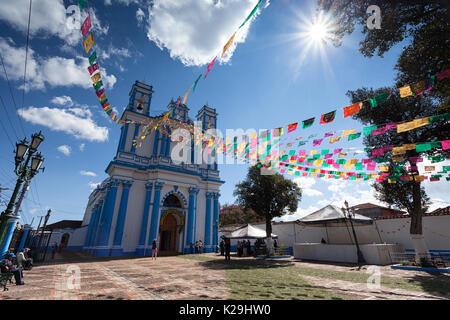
(22, 240)
(123, 138)
(8, 236)
(136, 131)
(159, 167)
(73, 248)
(163, 144)
(436, 270)
(190, 220)
(273, 257)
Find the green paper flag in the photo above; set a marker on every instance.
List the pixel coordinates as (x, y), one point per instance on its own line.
(251, 13)
(92, 58)
(358, 166)
(354, 136)
(82, 4)
(423, 147)
(379, 99)
(368, 130)
(196, 81)
(325, 151)
(307, 123)
(98, 85)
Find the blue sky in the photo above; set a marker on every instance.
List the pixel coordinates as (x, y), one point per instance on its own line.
(266, 80)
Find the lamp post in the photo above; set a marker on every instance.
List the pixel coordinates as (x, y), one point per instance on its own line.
(348, 214)
(25, 172)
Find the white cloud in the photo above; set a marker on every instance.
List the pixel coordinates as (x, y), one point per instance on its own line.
(73, 121)
(48, 17)
(82, 147)
(64, 149)
(93, 185)
(305, 183)
(112, 51)
(87, 173)
(140, 16)
(194, 31)
(62, 101)
(300, 213)
(125, 2)
(51, 71)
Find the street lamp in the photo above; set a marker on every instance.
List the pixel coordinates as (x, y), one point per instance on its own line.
(25, 172)
(348, 214)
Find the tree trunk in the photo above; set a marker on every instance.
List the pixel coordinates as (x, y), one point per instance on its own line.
(416, 233)
(268, 226)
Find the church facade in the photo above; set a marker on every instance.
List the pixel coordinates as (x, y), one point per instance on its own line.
(148, 196)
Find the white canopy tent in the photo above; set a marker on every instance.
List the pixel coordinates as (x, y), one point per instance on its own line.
(332, 216)
(249, 232)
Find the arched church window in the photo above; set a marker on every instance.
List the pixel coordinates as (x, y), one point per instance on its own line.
(172, 201)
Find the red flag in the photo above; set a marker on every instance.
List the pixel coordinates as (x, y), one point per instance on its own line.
(100, 92)
(327, 117)
(86, 26)
(292, 127)
(93, 68)
(210, 67)
(351, 110)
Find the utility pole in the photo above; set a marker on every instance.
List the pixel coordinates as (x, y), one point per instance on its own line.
(42, 232)
(361, 259)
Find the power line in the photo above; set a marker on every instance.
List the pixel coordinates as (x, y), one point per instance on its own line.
(26, 59)
(9, 119)
(12, 95)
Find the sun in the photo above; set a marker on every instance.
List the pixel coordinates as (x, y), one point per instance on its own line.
(319, 29)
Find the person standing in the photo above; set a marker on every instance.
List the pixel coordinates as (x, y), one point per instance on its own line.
(196, 246)
(227, 249)
(200, 246)
(154, 249)
(222, 247)
(191, 247)
(55, 246)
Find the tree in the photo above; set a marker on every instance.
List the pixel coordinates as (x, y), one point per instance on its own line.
(269, 196)
(234, 214)
(423, 27)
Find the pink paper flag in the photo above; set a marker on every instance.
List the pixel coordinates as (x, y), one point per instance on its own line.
(445, 144)
(337, 150)
(86, 26)
(210, 66)
(317, 142)
(93, 68)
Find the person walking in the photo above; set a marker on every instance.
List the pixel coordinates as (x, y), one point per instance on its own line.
(227, 249)
(196, 246)
(55, 247)
(200, 246)
(154, 249)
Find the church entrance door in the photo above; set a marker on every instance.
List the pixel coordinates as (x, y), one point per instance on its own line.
(168, 235)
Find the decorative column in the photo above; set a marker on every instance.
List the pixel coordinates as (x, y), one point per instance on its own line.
(120, 223)
(95, 232)
(163, 145)
(216, 220)
(154, 224)
(144, 223)
(26, 231)
(156, 143)
(193, 191)
(104, 227)
(207, 242)
(90, 226)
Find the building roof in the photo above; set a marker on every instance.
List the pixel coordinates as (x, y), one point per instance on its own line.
(371, 206)
(332, 216)
(64, 224)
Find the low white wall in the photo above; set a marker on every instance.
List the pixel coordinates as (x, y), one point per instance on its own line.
(436, 230)
(380, 254)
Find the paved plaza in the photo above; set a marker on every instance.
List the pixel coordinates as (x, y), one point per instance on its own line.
(193, 278)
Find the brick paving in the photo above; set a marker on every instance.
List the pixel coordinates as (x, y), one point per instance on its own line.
(167, 278)
(171, 278)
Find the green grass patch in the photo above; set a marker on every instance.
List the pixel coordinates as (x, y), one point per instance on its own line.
(259, 279)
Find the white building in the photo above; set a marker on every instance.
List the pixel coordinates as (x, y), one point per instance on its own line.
(147, 196)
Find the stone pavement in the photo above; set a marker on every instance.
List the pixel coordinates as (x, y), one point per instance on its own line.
(120, 279)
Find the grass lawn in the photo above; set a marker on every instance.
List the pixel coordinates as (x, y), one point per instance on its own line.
(258, 279)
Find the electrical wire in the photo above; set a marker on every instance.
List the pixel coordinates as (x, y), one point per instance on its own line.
(26, 59)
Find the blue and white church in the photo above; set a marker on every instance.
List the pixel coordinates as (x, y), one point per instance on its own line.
(147, 196)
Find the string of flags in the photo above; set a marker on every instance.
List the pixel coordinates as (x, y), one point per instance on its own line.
(94, 68)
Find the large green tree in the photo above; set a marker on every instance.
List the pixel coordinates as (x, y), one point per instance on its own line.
(269, 196)
(423, 28)
(234, 214)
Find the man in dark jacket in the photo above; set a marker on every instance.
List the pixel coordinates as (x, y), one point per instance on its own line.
(227, 249)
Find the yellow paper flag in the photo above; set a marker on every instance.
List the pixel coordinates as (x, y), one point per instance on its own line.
(228, 44)
(96, 77)
(405, 91)
(88, 42)
(346, 133)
